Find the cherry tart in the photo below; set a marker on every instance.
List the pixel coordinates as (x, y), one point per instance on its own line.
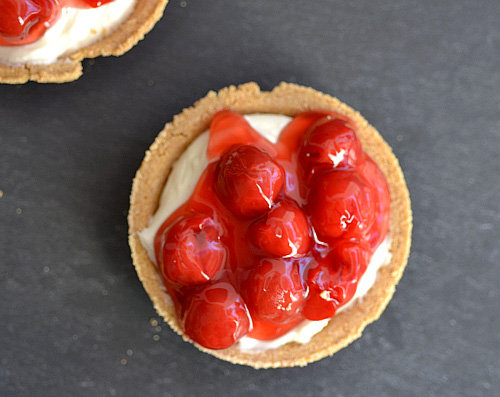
(273, 234)
(24, 22)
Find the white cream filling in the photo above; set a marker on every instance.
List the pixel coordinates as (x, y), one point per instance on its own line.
(75, 29)
(181, 183)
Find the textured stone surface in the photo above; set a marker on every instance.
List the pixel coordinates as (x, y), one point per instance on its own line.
(425, 74)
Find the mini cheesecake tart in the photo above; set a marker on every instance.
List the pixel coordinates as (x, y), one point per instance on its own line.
(275, 235)
(37, 37)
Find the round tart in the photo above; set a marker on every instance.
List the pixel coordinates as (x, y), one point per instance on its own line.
(144, 15)
(290, 100)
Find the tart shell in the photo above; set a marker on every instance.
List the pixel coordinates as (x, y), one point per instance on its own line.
(69, 67)
(287, 99)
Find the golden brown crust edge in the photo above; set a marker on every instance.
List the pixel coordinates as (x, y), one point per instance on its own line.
(289, 99)
(146, 13)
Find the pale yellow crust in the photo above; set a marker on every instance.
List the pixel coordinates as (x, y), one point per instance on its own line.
(288, 99)
(68, 68)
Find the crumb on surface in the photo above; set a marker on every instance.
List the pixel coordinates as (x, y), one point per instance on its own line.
(156, 338)
(19, 211)
(123, 361)
(1, 193)
(153, 322)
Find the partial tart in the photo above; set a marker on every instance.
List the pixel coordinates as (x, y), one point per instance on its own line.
(68, 67)
(290, 100)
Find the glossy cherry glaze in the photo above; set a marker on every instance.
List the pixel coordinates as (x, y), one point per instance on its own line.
(274, 233)
(25, 21)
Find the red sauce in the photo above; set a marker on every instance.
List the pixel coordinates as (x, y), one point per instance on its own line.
(25, 21)
(273, 233)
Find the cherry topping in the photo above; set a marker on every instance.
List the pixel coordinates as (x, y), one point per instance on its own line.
(283, 232)
(193, 252)
(248, 180)
(333, 280)
(25, 21)
(340, 204)
(229, 129)
(267, 201)
(352, 253)
(275, 293)
(217, 317)
(330, 141)
(97, 3)
(373, 175)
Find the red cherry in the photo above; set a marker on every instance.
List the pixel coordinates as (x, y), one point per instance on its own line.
(263, 330)
(293, 132)
(332, 281)
(25, 21)
(341, 204)
(275, 293)
(193, 252)
(283, 232)
(331, 142)
(371, 173)
(97, 3)
(217, 317)
(248, 180)
(352, 254)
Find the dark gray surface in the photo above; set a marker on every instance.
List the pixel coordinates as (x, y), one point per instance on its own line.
(426, 74)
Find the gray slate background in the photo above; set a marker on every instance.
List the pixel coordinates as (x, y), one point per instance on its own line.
(426, 74)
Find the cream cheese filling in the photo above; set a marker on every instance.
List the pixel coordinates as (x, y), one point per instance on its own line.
(181, 183)
(76, 28)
